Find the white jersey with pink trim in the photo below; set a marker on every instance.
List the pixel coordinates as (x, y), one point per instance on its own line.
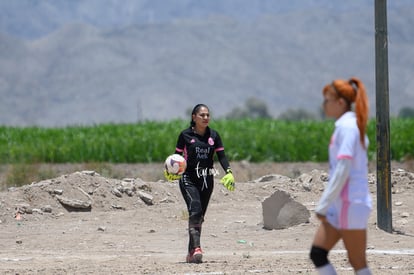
(345, 143)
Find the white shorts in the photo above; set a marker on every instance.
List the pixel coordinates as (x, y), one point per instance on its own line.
(345, 215)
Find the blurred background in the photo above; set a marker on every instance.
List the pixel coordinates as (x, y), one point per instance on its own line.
(85, 62)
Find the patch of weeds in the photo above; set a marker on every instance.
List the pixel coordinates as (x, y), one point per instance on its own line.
(21, 173)
(184, 215)
(46, 173)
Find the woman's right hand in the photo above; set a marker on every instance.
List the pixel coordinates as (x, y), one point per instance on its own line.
(171, 177)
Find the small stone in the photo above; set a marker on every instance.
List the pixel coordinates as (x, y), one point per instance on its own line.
(47, 209)
(58, 191)
(116, 192)
(404, 215)
(166, 200)
(90, 173)
(120, 207)
(147, 198)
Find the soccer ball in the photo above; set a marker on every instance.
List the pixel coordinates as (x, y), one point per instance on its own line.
(175, 164)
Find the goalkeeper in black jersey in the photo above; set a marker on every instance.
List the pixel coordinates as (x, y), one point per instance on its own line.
(197, 144)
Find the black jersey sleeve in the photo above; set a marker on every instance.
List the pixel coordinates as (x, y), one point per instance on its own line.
(221, 155)
(180, 145)
(223, 160)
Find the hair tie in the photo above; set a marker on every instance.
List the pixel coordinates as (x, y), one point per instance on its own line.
(354, 86)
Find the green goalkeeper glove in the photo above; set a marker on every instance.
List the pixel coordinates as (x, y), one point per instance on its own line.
(228, 180)
(171, 177)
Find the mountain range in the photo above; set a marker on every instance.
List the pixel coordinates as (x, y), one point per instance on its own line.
(89, 62)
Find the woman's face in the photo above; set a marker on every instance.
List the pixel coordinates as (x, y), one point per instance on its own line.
(333, 106)
(202, 117)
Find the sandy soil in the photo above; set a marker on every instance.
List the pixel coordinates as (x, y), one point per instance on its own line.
(137, 225)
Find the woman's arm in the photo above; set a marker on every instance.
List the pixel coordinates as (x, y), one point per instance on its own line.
(334, 187)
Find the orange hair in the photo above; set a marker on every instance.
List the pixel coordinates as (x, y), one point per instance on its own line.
(352, 91)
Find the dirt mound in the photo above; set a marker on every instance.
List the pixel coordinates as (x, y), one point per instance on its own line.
(89, 191)
(83, 191)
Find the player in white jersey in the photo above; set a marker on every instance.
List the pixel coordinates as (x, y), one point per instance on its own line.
(345, 204)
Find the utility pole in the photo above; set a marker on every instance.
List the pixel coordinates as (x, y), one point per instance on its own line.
(384, 205)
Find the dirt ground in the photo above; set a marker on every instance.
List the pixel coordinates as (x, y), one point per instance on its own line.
(83, 223)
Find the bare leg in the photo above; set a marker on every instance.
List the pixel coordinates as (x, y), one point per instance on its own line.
(325, 239)
(355, 242)
(326, 236)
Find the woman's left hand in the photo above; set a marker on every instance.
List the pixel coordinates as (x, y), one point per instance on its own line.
(228, 180)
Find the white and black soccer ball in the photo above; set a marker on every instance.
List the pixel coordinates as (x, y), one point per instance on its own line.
(175, 164)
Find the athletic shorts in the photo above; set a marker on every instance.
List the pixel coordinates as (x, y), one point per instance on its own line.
(345, 215)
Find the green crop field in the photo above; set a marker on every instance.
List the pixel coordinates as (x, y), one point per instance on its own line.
(255, 140)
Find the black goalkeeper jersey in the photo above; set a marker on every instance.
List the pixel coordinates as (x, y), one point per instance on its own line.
(199, 150)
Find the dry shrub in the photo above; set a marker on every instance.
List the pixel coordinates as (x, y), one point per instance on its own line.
(22, 173)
